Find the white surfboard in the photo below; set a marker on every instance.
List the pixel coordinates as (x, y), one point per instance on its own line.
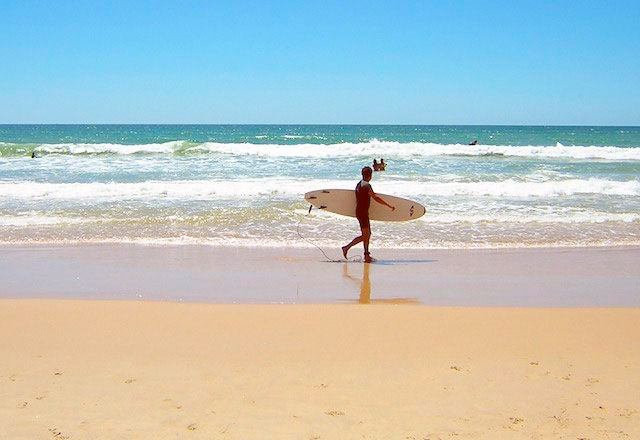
(343, 202)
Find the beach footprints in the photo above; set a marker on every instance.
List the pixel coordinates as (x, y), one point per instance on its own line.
(57, 434)
(172, 405)
(514, 424)
(591, 381)
(459, 369)
(627, 413)
(562, 419)
(516, 421)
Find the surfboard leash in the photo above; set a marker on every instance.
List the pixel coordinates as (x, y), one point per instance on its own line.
(312, 243)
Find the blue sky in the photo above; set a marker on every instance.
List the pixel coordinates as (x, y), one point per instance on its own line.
(413, 62)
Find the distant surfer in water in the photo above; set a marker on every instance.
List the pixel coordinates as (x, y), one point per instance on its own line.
(364, 194)
(379, 166)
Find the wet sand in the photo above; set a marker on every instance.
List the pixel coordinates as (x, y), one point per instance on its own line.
(555, 277)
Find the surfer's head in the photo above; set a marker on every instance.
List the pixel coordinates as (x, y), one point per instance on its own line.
(367, 172)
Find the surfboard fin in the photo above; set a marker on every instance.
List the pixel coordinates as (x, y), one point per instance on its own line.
(310, 207)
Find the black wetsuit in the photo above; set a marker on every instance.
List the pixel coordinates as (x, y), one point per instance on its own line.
(363, 200)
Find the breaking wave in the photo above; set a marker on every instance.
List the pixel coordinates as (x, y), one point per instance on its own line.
(371, 148)
(294, 188)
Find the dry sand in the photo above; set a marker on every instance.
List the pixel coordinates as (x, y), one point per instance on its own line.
(148, 370)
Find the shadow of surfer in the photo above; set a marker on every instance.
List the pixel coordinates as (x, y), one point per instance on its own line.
(364, 194)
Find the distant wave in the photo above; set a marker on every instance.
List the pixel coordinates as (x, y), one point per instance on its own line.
(373, 148)
(9, 149)
(417, 149)
(294, 188)
(166, 147)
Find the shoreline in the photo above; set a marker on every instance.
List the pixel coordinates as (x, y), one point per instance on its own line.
(514, 277)
(308, 246)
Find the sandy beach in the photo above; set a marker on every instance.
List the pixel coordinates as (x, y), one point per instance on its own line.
(110, 369)
(501, 364)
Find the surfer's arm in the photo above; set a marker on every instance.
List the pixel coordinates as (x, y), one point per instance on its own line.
(375, 197)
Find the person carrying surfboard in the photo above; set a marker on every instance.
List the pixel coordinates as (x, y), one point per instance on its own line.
(364, 194)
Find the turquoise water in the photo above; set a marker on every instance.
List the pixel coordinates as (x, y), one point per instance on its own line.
(32, 135)
(243, 184)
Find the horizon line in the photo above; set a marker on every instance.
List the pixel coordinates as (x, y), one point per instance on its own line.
(317, 124)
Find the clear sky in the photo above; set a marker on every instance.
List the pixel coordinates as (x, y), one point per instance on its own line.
(405, 62)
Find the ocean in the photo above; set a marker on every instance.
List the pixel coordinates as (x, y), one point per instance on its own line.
(243, 185)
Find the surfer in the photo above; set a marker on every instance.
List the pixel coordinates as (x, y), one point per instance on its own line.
(376, 166)
(364, 194)
(383, 166)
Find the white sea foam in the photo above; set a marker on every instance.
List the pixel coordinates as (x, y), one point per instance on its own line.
(165, 147)
(417, 149)
(331, 244)
(513, 188)
(39, 220)
(555, 216)
(373, 148)
(294, 188)
(552, 217)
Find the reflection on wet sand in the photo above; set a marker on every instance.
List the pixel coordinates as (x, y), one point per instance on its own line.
(365, 288)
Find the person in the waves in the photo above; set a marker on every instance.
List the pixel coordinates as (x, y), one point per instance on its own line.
(364, 194)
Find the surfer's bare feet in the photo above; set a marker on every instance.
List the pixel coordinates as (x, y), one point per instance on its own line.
(368, 259)
(344, 251)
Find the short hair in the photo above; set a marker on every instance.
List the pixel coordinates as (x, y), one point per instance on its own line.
(367, 171)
